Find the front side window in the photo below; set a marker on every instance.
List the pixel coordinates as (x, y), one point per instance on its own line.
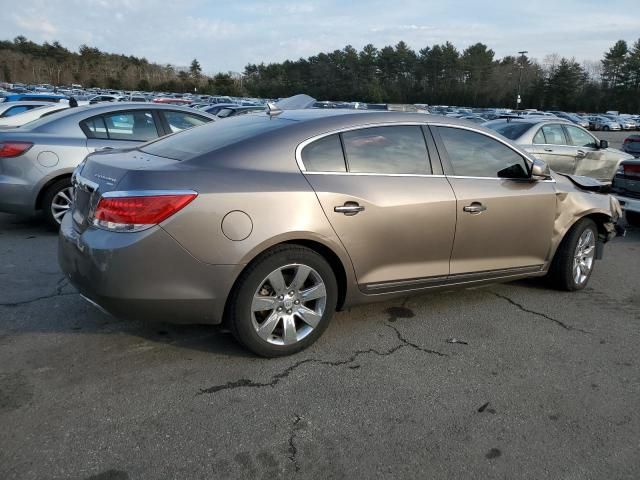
(179, 121)
(554, 135)
(473, 154)
(580, 138)
(324, 155)
(387, 150)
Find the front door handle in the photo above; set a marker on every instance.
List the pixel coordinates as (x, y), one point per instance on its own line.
(474, 208)
(581, 154)
(548, 149)
(349, 208)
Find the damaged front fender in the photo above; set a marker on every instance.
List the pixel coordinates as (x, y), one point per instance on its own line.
(578, 198)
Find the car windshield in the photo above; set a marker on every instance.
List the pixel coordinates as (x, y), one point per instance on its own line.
(207, 138)
(511, 130)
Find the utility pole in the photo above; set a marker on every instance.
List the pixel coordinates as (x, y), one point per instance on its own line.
(518, 99)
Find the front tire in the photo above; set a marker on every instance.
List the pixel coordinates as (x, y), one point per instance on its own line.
(573, 263)
(56, 201)
(283, 301)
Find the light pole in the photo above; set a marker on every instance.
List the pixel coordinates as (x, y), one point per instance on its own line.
(518, 99)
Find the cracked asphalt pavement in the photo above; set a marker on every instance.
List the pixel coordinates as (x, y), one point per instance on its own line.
(505, 381)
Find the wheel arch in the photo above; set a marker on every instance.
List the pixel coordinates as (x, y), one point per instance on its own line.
(334, 260)
(43, 189)
(598, 217)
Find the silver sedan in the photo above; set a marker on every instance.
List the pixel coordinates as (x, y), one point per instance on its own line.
(37, 160)
(565, 147)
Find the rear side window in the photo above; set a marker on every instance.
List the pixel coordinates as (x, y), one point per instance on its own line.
(324, 155)
(554, 135)
(539, 138)
(95, 128)
(387, 150)
(473, 154)
(179, 121)
(133, 126)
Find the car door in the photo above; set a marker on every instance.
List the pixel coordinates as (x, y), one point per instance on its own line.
(393, 212)
(504, 219)
(591, 161)
(120, 129)
(553, 147)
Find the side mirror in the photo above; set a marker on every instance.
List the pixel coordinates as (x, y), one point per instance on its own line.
(604, 144)
(540, 170)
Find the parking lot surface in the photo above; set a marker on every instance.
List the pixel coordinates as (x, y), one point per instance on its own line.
(537, 384)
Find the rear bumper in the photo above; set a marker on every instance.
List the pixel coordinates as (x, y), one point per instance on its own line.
(144, 275)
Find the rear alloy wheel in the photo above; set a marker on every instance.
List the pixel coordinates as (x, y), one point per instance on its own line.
(283, 301)
(57, 200)
(573, 263)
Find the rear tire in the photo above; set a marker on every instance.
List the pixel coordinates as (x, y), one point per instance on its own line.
(283, 301)
(574, 260)
(56, 201)
(633, 218)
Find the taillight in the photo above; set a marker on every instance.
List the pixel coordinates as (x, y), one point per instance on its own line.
(134, 212)
(631, 169)
(13, 149)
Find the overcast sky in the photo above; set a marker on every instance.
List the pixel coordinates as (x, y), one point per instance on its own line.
(226, 35)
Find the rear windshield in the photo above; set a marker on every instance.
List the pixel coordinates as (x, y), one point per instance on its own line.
(200, 140)
(511, 130)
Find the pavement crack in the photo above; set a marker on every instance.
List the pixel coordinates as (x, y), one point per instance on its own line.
(276, 378)
(539, 314)
(415, 346)
(293, 450)
(58, 292)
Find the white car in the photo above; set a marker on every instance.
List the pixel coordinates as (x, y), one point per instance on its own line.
(9, 109)
(31, 115)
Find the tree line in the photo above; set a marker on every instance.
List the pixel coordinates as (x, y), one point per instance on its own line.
(24, 61)
(436, 75)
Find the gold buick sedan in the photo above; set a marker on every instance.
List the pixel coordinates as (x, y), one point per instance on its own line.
(272, 221)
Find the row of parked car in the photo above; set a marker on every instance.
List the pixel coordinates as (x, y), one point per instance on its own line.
(54, 139)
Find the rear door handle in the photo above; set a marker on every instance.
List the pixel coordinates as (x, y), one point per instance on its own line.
(474, 208)
(349, 208)
(548, 149)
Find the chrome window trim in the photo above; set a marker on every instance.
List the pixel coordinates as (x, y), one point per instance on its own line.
(302, 145)
(146, 193)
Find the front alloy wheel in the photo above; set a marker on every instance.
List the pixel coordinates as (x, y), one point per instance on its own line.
(283, 301)
(584, 256)
(574, 260)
